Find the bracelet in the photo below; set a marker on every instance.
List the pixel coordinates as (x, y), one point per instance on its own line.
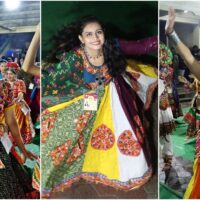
(174, 38)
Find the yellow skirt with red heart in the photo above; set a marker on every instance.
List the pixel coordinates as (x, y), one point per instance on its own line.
(111, 156)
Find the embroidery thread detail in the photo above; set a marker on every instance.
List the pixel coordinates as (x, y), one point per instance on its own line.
(102, 138)
(128, 145)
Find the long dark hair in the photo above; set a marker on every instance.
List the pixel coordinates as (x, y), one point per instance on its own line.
(67, 39)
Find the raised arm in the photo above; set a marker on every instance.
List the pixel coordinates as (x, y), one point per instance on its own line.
(183, 50)
(29, 61)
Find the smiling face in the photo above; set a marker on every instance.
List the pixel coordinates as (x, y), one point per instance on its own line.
(92, 36)
(3, 69)
(11, 76)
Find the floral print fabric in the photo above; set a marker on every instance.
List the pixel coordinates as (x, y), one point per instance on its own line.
(70, 135)
(63, 81)
(64, 144)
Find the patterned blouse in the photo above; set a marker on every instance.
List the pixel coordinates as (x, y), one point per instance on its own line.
(6, 100)
(71, 77)
(6, 95)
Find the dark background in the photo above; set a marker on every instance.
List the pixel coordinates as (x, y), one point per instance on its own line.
(129, 20)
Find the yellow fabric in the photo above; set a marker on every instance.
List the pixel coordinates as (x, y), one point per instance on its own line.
(147, 70)
(196, 85)
(103, 161)
(63, 105)
(10, 107)
(2, 116)
(191, 183)
(24, 122)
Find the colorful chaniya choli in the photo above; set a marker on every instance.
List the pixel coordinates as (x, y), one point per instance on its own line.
(6, 100)
(192, 117)
(166, 120)
(106, 146)
(23, 113)
(193, 191)
(14, 181)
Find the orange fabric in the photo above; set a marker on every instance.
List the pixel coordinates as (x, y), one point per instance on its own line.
(25, 124)
(195, 194)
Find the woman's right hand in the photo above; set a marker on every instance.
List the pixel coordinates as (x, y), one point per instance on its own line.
(20, 103)
(169, 27)
(19, 98)
(182, 79)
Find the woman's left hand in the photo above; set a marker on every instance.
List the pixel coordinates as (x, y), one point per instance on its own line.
(27, 154)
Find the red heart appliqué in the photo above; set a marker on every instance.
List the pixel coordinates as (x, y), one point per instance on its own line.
(128, 145)
(102, 138)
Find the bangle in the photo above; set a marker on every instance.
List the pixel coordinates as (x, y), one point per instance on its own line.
(174, 38)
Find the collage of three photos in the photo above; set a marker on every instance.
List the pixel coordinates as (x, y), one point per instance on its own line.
(99, 99)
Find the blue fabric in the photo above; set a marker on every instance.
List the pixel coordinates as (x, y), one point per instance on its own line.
(34, 93)
(10, 53)
(175, 91)
(88, 77)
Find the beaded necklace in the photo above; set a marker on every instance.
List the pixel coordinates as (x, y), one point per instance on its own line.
(92, 57)
(90, 67)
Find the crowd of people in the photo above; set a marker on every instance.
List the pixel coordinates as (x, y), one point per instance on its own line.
(89, 89)
(192, 117)
(20, 125)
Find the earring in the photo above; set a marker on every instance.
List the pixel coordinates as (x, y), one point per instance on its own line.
(82, 45)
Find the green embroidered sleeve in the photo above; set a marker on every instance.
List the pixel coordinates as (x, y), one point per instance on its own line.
(63, 81)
